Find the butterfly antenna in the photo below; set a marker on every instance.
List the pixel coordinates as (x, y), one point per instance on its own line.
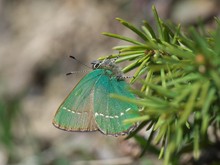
(118, 55)
(75, 72)
(114, 59)
(80, 62)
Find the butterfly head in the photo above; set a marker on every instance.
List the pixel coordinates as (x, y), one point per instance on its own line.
(108, 64)
(96, 64)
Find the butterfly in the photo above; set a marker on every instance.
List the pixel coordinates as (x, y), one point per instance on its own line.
(89, 106)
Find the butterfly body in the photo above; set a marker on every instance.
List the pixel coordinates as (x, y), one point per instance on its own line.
(90, 108)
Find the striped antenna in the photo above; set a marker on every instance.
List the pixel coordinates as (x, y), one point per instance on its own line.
(75, 72)
(80, 62)
(113, 59)
(82, 71)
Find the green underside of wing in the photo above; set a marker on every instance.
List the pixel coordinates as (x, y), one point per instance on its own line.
(76, 112)
(110, 113)
(89, 107)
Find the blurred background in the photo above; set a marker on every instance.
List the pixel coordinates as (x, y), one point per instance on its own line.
(36, 38)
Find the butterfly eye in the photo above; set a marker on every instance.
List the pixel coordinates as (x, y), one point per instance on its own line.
(95, 64)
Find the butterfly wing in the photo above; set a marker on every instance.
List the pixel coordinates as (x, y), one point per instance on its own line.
(110, 112)
(76, 113)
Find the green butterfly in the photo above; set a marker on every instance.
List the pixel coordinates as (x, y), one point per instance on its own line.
(89, 106)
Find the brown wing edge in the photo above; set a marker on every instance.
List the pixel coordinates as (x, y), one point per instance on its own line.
(124, 133)
(73, 130)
